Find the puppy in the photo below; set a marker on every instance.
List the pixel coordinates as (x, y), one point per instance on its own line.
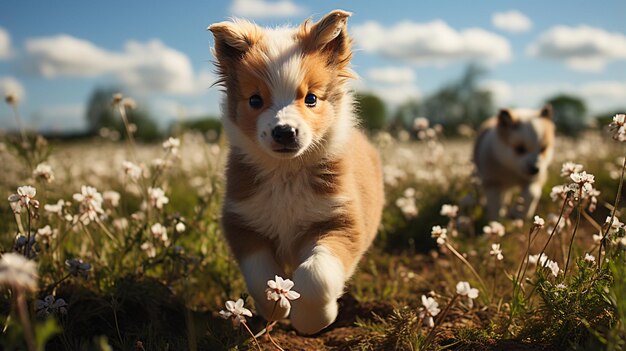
(512, 149)
(304, 190)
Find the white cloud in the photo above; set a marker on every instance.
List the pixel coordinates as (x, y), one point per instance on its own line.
(391, 75)
(10, 85)
(609, 89)
(511, 21)
(5, 44)
(501, 91)
(149, 67)
(582, 48)
(431, 43)
(266, 9)
(396, 94)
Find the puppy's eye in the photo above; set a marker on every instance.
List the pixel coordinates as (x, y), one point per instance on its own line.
(520, 149)
(310, 100)
(543, 149)
(256, 101)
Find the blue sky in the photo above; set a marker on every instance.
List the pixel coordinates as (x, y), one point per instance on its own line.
(54, 53)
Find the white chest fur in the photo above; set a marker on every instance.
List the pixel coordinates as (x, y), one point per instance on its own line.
(284, 206)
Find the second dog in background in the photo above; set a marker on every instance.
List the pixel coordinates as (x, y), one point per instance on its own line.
(513, 149)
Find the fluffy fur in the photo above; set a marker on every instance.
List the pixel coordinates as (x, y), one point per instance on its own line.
(311, 207)
(513, 149)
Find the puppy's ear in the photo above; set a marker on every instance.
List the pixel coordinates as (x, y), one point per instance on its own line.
(505, 119)
(233, 40)
(330, 37)
(546, 112)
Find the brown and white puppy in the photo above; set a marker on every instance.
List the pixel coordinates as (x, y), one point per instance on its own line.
(304, 190)
(513, 149)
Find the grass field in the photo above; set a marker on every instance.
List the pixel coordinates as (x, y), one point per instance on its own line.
(155, 271)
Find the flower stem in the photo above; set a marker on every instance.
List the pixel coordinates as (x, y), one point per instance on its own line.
(618, 196)
(256, 342)
(571, 243)
(460, 257)
(22, 311)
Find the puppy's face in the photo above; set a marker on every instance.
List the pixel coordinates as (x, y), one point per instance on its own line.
(283, 86)
(528, 136)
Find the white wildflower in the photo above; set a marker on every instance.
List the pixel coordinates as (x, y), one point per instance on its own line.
(159, 232)
(496, 251)
(111, 197)
(180, 227)
(149, 249)
(590, 258)
(448, 210)
(539, 222)
(440, 234)
(494, 228)
(236, 312)
(132, 170)
(157, 197)
(25, 197)
(18, 272)
(90, 203)
(430, 309)
(569, 168)
(618, 127)
(55, 208)
(279, 289)
(464, 289)
(43, 171)
(171, 145)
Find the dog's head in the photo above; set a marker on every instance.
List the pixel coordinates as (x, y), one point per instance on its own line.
(286, 91)
(528, 136)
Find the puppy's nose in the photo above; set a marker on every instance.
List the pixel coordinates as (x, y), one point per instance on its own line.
(284, 135)
(533, 169)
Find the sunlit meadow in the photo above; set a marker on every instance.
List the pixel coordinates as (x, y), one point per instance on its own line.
(116, 245)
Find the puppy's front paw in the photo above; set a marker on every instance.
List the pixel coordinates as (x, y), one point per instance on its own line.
(319, 280)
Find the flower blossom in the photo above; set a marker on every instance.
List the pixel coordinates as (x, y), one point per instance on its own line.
(49, 305)
(279, 290)
(496, 251)
(618, 127)
(430, 309)
(132, 170)
(159, 232)
(25, 197)
(494, 228)
(450, 211)
(171, 145)
(157, 197)
(440, 234)
(18, 272)
(236, 312)
(568, 168)
(539, 222)
(78, 267)
(464, 289)
(590, 258)
(44, 171)
(90, 203)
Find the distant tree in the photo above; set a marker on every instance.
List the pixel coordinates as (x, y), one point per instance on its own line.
(100, 114)
(201, 124)
(603, 119)
(371, 111)
(569, 114)
(99, 111)
(461, 101)
(405, 114)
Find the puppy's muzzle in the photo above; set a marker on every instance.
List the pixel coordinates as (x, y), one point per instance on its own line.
(533, 170)
(285, 135)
